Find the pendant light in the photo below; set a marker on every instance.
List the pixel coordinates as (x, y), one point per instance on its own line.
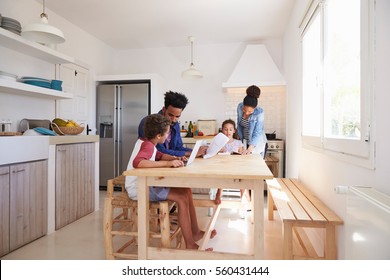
(191, 73)
(43, 32)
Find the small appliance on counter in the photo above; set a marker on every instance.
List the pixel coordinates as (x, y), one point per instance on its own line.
(208, 127)
(26, 124)
(5, 125)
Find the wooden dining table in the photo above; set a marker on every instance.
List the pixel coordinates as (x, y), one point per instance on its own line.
(232, 171)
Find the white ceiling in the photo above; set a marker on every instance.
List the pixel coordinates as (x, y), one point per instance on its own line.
(127, 24)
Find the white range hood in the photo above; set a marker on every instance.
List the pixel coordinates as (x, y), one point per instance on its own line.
(255, 67)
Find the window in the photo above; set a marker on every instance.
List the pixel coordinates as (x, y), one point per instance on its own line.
(337, 74)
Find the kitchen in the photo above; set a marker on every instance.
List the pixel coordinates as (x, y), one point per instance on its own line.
(216, 61)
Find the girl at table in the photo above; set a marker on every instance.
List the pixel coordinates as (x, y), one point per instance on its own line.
(232, 146)
(146, 155)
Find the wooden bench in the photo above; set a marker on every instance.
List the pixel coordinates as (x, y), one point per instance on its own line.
(299, 208)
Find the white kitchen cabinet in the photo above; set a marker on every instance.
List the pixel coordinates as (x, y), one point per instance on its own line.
(74, 182)
(20, 44)
(24, 203)
(77, 81)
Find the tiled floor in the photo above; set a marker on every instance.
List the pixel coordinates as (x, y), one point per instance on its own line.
(83, 239)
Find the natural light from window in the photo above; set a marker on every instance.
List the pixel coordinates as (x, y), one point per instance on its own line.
(342, 69)
(337, 51)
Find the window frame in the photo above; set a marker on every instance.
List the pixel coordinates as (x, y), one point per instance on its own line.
(362, 151)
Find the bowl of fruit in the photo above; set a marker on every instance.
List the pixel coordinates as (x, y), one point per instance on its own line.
(69, 127)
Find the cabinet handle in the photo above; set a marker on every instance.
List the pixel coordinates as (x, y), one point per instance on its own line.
(18, 171)
(3, 174)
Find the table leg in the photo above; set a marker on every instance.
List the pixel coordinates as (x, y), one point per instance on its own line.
(143, 218)
(258, 217)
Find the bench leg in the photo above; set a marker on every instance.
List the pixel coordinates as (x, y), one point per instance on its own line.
(330, 250)
(287, 235)
(270, 206)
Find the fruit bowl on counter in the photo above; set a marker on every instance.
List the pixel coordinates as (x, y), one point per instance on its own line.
(70, 127)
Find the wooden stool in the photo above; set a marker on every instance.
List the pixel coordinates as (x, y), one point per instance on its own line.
(120, 220)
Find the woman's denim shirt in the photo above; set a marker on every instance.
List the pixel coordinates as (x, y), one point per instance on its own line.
(257, 136)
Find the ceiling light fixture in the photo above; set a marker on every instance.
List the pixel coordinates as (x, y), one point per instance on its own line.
(43, 32)
(191, 73)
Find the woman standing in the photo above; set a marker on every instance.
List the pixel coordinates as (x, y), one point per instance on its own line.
(250, 122)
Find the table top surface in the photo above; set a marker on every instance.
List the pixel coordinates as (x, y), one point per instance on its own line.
(219, 166)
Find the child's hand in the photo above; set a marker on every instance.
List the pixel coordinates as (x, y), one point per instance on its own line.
(175, 163)
(183, 158)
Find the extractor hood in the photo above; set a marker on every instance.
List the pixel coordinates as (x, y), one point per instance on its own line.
(255, 67)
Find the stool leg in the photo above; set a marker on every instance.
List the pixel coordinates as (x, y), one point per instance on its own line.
(153, 221)
(107, 228)
(133, 218)
(165, 224)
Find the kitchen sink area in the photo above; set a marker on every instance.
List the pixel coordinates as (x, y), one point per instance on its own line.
(14, 149)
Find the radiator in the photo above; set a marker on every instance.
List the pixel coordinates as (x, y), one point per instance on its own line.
(367, 224)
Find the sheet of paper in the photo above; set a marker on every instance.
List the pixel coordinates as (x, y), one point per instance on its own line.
(219, 141)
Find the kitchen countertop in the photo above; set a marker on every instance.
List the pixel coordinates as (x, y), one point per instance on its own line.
(70, 139)
(192, 140)
(14, 149)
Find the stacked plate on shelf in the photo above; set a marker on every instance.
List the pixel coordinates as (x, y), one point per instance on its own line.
(10, 24)
(7, 76)
(40, 82)
(36, 81)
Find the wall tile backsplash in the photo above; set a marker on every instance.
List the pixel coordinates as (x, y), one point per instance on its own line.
(273, 104)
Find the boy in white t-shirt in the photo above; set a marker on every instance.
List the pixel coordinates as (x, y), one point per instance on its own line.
(146, 155)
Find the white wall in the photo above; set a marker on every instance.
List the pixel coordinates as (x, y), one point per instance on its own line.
(78, 44)
(216, 62)
(87, 50)
(327, 172)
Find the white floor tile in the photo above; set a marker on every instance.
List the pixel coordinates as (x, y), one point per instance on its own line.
(83, 239)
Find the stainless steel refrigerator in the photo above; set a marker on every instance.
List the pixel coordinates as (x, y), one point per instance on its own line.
(120, 108)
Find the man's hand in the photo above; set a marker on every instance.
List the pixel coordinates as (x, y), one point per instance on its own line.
(202, 151)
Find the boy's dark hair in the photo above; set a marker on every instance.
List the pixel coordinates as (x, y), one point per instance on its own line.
(230, 121)
(175, 99)
(252, 94)
(156, 124)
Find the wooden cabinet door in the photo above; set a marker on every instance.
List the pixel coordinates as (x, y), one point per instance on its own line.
(28, 202)
(75, 196)
(4, 210)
